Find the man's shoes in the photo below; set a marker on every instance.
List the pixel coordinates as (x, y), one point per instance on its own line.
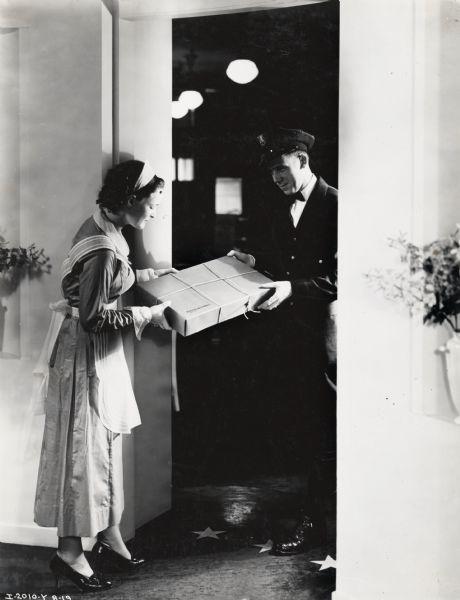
(305, 536)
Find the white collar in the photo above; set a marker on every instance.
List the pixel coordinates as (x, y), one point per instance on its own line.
(307, 190)
(298, 206)
(114, 234)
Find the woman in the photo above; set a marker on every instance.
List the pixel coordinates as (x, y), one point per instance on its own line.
(90, 400)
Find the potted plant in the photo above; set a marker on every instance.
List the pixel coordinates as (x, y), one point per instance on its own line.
(428, 283)
(16, 263)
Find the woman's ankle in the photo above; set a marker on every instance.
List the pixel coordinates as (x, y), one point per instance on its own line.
(78, 562)
(114, 540)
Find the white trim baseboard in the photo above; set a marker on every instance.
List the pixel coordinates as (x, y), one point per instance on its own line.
(33, 535)
(339, 596)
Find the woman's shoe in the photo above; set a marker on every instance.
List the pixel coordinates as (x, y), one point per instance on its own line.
(85, 584)
(107, 560)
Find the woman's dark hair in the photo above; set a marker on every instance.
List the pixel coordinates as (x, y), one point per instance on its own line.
(118, 186)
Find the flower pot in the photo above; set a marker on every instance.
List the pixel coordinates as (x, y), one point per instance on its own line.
(451, 351)
(3, 310)
(9, 281)
(9, 313)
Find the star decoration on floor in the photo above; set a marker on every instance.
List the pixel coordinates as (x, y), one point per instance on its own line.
(264, 547)
(327, 563)
(208, 533)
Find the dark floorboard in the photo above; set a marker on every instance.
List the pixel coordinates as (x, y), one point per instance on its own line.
(183, 567)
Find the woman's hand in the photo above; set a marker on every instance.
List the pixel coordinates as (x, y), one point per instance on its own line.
(161, 272)
(144, 275)
(157, 317)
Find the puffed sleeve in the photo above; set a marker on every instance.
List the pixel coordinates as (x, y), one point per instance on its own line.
(95, 283)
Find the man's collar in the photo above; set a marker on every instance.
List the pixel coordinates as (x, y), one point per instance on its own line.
(305, 192)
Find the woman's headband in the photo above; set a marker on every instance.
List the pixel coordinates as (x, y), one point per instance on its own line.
(146, 176)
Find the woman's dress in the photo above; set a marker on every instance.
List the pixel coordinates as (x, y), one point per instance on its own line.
(90, 400)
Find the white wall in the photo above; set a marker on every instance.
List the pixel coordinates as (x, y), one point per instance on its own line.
(60, 159)
(145, 133)
(398, 485)
(9, 180)
(62, 59)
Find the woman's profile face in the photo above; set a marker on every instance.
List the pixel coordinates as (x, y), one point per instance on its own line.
(141, 210)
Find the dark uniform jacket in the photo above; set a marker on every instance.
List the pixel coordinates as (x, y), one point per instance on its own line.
(306, 256)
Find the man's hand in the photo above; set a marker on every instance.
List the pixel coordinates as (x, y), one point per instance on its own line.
(247, 259)
(282, 291)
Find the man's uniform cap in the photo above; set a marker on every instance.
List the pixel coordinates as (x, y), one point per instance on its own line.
(282, 141)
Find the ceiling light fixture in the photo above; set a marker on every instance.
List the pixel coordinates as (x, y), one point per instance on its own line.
(178, 110)
(242, 70)
(191, 99)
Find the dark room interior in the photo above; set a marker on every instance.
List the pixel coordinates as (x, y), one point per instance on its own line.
(223, 429)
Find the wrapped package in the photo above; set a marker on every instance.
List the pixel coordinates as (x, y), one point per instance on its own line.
(207, 294)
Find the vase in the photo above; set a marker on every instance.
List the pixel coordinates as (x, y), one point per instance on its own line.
(9, 313)
(3, 310)
(451, 351)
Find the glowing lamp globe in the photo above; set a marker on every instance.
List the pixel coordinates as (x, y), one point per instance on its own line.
(179, 110)
(242, 71)
(191, 99)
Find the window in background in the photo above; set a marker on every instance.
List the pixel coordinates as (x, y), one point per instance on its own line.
(229, 196)
(183, 169)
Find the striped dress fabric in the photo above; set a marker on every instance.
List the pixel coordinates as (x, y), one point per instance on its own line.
(89, 401)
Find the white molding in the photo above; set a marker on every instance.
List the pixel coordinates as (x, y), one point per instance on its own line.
(28, 535)
(33, 535)
(339, 596)
(418, 141)
(12, 24)
(145, 9)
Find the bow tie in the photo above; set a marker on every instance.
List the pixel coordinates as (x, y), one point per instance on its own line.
(297, 196)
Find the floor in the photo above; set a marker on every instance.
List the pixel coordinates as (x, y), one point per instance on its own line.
(238, 469)
(230, 565)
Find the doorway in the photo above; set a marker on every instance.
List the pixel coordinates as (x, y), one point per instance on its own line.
(219, 430)
(237, 443)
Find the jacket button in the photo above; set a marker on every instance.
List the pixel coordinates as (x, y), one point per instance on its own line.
(320, 260)
(288, 273)
(292, 257)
